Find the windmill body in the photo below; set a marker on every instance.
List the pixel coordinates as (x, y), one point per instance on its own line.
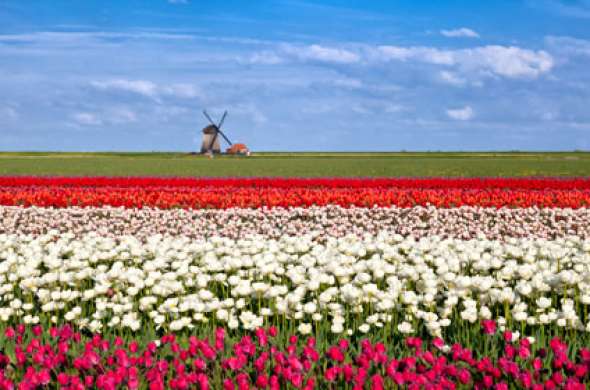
(210, 142)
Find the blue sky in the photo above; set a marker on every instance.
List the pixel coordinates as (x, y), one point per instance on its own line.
(295, 74)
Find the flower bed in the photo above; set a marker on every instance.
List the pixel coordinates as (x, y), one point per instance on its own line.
(278, 182)
(229, 197)
(263, 359)
(294, 283)
(353, 285)
(253, 193)
(320, 222)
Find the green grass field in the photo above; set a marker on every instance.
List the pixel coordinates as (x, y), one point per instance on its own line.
(298, 164)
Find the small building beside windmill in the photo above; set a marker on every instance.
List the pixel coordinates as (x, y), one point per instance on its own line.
(210, 140)
(238, 149)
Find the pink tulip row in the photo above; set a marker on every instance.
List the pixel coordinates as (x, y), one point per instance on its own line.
(463, 222)
(62, 357)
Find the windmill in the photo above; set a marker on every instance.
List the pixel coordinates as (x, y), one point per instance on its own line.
(211, 143)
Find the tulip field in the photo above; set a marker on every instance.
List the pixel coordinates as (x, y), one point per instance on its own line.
(294, 283)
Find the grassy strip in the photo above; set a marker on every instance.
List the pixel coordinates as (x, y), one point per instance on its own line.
(303, 165)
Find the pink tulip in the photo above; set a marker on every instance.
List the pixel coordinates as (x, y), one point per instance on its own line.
(343, 344)
(20, 329)
(203, 381)
(524, 352)
(399, 378)
(489, 327)
(228, 384)
(464, 376)
(537, 364)
(274, 383)
(199, 365)
(9, 333)
(63, 378)
(330, 374)
(335, 354)
(243, 382)
(37, 330)
(310, 383)
(348, 373)
(262, 337)
(557, 378)
(438, 343)
(377, 382)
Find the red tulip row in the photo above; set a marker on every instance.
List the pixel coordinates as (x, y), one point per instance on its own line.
(60, 357)
(325, 183)
(255, 197)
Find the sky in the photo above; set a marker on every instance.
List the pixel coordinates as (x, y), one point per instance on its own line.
(295, 75)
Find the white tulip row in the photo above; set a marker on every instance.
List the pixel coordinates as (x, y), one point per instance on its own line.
(352, 284)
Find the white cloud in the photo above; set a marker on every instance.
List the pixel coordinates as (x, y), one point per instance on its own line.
(461, 114)
(512, 62)
(451, 78)
(266, 58)
(306, 53)
(423, 54)
(109, 116)
(328, 54)
(506, 61)
(569, 45)
(86, 119)
(463, 32)
(150, 89)
(141, 87)
(491, 60)
(182, 91)
(393, 108)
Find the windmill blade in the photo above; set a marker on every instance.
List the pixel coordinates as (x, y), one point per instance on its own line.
(224, 137)
(209, 118)
(222, 119)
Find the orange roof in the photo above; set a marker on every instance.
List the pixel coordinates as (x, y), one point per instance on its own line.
(238, 147)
